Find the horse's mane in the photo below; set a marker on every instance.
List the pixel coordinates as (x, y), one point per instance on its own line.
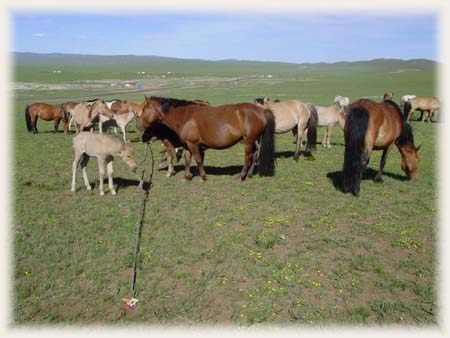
(406, 136)
(396, 106)
(167, 103)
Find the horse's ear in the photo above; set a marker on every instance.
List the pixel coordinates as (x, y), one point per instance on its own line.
(124, 101)
(418, 148)
(147, 98)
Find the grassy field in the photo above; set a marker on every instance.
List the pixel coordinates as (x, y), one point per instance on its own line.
(283, 250)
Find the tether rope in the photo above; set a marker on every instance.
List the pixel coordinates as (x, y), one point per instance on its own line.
(131, 302)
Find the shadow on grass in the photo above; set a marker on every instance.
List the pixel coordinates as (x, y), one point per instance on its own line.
(336, 177)
(125, 182)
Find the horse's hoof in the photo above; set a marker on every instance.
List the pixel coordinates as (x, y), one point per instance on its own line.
(72, 190)
(378, 179)
(113, 192)
(188, 178)
(102, 193)
(89, 187)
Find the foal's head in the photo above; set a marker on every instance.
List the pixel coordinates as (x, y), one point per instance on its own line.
(100, 107)
(128, 156)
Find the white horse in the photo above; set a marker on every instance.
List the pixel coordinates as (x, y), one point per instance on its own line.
(105, 148)
(342, 102)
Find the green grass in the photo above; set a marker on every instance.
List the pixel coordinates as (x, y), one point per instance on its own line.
(289, 249)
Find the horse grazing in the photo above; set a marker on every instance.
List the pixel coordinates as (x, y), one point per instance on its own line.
(375, 126)
(104, 148)
(295, 116)
(85, 115)
(200, 127)
(388, 96)
(46, 112)
(342, 102)
(329, 116)
(422, 104)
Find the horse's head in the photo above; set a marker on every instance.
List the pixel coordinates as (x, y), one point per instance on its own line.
(410, 161)
(128, 156)
(149, 114)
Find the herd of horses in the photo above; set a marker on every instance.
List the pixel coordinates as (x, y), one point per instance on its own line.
(196, 125)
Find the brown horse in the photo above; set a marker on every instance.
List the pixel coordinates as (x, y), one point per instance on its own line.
(46, 112)
(375, 126)
(200, 127)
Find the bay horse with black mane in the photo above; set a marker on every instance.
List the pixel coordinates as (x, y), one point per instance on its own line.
(200, 127)
(46, 112)
(375, 126)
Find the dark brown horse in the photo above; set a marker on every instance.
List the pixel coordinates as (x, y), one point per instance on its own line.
(47, 112)
(200, 127)
(375, 126)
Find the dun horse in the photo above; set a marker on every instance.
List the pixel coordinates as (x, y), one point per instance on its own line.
(422, 104)
(87, 115)
(388, 96)
(295, 116)
(375, 126)
(105, 148)
(46, 112)
(200, 127)
(328, 117)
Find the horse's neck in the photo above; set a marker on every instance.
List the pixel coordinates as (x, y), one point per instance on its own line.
(173, 120)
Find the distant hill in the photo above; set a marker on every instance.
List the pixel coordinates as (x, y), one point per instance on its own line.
(73, 59)
(35, 66)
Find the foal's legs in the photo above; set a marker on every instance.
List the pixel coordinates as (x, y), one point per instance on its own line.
(109, 166)
(83, 165)
(101, 173)
(382, 164)
(84, 160)
(300, 130)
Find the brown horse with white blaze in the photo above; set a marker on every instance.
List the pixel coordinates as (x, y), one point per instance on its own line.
(375, 126)
(200, 127)
(46, 112)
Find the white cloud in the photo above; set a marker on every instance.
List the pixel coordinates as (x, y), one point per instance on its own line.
(39, 35)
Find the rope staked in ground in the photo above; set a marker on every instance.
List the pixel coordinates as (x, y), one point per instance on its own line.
(144, 190)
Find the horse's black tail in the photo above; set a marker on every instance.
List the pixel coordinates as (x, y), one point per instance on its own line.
(311, 138)
(406, 110)
(355, 133)
(267, 152)
(28, 118)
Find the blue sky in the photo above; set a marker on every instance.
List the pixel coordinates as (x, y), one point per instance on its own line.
(289, 37)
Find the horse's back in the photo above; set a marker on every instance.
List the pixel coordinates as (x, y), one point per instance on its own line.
(97, 144)
(425, 103)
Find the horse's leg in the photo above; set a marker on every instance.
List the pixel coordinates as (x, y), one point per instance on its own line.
(78, 156)
(382, 164)
(122, 127)
(329, 131)
(248, 158)
(187, 158)
(100, 126)
(300, 132)
(197, 153)
(101, 173)
(109, 167)
(56, 124)
(83, 165)
(169, 156)
(254, 158)
(34, 123)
